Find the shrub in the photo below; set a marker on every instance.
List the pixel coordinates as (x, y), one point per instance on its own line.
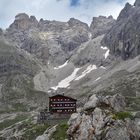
(122, 115)
(60, 133)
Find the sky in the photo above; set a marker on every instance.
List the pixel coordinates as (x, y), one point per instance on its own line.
(60, 10)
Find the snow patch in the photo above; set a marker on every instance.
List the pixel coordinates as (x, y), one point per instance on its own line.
(61, 66)
(98, 78)
(104, 48)
(107, 53)
(66, 82)
(90, 36)
(88, 70)
(102, 67)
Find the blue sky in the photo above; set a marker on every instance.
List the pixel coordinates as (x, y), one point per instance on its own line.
(74, 2)
(60, 10)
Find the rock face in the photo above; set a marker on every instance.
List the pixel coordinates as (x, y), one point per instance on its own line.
(17, 70)
(123, 38)
(51, 37)
(47, 134)
(101, 25)
(137, 3)
(116, 102)
(1, 32)
(96, 121)
(23, 22)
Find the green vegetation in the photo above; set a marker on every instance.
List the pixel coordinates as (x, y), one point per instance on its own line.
(10, 122)
(34, 130)
(122, 115)
(60, 133)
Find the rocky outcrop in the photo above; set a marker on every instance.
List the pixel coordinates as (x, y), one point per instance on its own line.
(137, 3)
(115, 102)
(47, 134)
(97, 121)
(23, 22)
(17, 69)
(75, 22)
(123, 38)
(101, 25)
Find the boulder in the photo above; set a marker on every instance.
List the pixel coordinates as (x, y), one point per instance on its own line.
(47, 134)
(92, 103)
(117, 102)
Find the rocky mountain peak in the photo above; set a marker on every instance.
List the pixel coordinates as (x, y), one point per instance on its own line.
(75, 22)
(123, 38)
(24, 22)
(100, 25)
(125, 12)
(137, 3)
(21, 16)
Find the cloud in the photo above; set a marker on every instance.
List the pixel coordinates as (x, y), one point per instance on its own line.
(60, 10)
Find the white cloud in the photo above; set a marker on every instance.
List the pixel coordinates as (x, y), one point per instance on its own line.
(59, 9)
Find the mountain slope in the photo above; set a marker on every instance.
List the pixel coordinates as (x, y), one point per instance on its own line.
(17, 69)
(123, 38)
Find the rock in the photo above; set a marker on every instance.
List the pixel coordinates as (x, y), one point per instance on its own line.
(96, 122)
(123, 131)
(23, 22)
(117, 102)
(99, 120)
(1, 32)
(123, 37)
(86, 53)
(101, 25)
(52, 38)
(117, 132)
(74, 123)
(47, 134)
(83, 125)
(92, 103)
(137, 115)
(75, 22)
(137, 3)
(137, 123)
(73, 118)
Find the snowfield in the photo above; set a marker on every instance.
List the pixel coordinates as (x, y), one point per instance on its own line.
(88, 70)
(98, 78)
(66, 82)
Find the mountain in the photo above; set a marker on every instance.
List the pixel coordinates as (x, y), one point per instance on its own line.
(42, 58)
(101, 25)
(123, 38)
